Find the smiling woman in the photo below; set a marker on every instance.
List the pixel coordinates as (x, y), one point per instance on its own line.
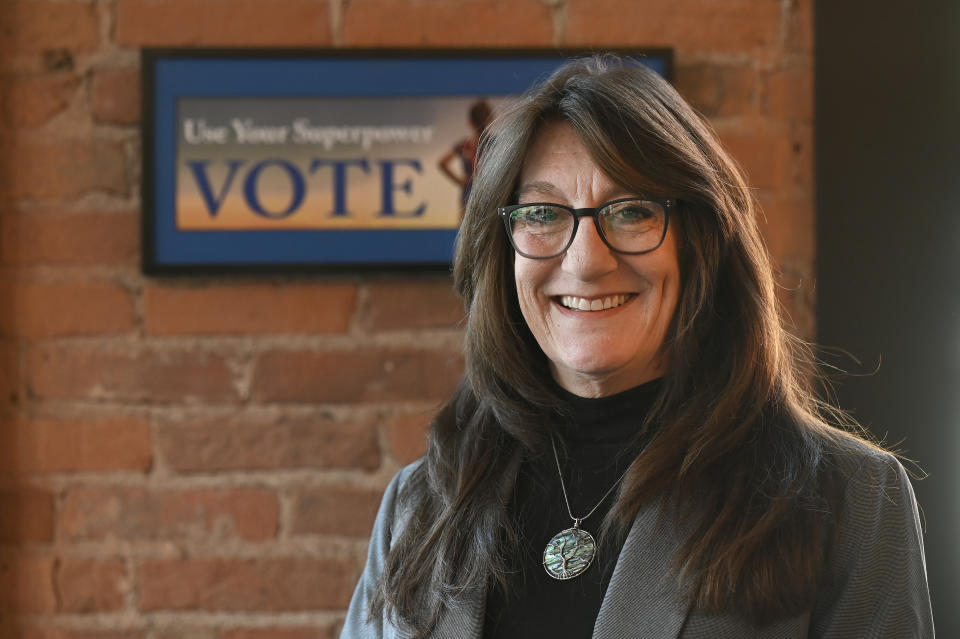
(634, 450)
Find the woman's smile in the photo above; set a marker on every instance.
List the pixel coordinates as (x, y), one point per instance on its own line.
(593, 304)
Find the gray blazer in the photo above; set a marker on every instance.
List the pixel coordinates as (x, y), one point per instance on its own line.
(878, 580)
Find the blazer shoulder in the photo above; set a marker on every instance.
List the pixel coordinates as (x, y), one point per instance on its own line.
(876, 579)
(867, 472)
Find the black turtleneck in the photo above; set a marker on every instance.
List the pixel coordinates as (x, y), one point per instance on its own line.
(596, 443)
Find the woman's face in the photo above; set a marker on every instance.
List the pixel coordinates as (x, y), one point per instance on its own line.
(602, 352)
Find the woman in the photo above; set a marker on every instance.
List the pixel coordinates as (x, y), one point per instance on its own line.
(633, 450)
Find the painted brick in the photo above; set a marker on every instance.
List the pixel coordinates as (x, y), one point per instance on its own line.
(413, 304)
(145, 375)
(106, 512)
(731, 26)
(49, 309)
(26, 585)
(116, 96)
(253, 308)
(236, 443)
(269, 585)
(443, 23)
(70, 239)
(335, 511)
(717, 90)
(222, 22)
(407, 436)
(91, 585)
(47, 170)
(26, 515)
(32, 100)
(355, 376)
(62, 445)
(31, 26)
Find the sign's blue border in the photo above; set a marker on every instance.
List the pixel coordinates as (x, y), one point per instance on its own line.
(169, 75)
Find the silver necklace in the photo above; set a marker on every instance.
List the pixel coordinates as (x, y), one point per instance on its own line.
(570, 552)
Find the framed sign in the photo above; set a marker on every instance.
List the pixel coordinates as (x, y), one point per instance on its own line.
(289, 160)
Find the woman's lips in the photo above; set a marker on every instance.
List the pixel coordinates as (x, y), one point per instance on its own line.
(601, 303)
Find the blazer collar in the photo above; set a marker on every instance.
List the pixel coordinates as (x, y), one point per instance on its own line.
(465, 620)
(643, 601)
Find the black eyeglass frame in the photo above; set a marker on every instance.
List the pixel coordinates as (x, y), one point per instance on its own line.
(666, 203)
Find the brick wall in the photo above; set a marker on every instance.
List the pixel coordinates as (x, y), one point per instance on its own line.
(202, 457)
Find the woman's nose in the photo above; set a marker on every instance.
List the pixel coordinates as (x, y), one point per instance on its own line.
(589, 257)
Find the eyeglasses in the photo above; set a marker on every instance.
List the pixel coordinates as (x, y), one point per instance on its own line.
(541, 230)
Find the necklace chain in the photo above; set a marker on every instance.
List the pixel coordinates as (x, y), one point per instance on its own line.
(577, 520)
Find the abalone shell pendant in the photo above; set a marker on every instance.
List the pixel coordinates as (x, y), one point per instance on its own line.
(569, 553)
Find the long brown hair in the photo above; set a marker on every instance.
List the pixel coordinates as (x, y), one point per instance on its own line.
(739, 432)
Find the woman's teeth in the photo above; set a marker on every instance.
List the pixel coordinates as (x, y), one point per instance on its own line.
(598, 304)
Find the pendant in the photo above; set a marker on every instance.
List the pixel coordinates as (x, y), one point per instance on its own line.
(569, 553)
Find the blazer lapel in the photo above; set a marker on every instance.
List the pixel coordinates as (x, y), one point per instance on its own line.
(465, 620)
(644, 599)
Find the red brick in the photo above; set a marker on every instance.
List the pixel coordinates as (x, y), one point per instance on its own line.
(33, 632)
(355, 376)
(10, 374)
(116, 96)
(269, 585)
(413, 304)
(159, 375)
(767, 153)
(98, 513)
(104, 634)
(731, 26)
(32, 100)
(26, 515)
(335, 511)
(789, 94)
(407, 436)
(800, 27)
(67, 169)
(91, 585)
(249, 308)
(59, 445)
(178, 631)
(325, 632)
(26, 585)
(441, 22)
(36, 25)
(48, 309)
(788, 226)
(222, 22)
(717, 90)
(225, 444)
(80, 238)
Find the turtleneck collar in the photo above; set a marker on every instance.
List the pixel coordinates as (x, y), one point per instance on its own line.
(611, 419)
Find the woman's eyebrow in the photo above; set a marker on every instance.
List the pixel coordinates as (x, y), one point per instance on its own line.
(540, 188)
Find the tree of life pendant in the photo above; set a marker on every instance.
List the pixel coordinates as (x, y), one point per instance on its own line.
(569, 553)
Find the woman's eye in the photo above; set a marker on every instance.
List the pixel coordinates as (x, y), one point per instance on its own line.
(535, 215)
(632, 214)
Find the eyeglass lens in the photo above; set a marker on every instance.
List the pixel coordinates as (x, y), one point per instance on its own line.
(545, 230)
